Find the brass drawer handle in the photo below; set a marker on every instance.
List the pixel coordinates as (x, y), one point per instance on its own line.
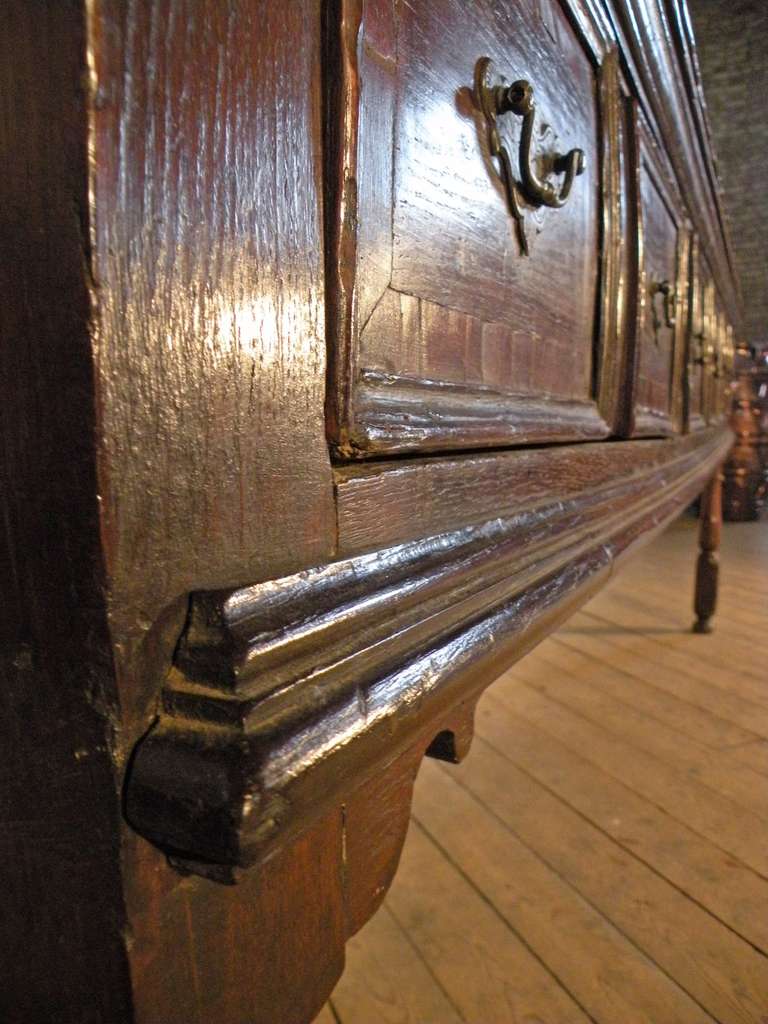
(669, 293)
(517, 98)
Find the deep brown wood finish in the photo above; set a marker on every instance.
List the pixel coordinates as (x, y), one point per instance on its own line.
(707, 565)
(304, 685)
(657, 45)
(62, 919)
(206, 234)
(250, 648)
(696, 359)
(662, 284)
(661, 890)
(438, 333)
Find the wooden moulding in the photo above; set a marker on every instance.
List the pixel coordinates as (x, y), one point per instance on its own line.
(287, 695)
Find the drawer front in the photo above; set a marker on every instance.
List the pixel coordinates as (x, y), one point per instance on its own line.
(464, 306)
(719, 365)
(700, 282)
(662, 283)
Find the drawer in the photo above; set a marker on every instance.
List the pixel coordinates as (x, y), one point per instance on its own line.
(699, 287)
(719, 364)
(663, 254)
(463, 284)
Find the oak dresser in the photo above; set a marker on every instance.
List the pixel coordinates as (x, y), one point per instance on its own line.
(346, 349)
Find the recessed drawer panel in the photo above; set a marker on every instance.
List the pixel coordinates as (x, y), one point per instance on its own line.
(700, 287)
(719, 356)
(662, 282)
(469, 148)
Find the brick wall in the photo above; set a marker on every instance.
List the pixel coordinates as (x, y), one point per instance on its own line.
(732, 38)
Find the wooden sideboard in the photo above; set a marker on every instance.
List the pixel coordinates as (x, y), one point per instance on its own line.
(346, 348)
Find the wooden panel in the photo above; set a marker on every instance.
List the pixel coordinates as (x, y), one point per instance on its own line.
(694, 380)
(658, 48)
(381, 504)
(209, 353)
(662, 281)
(444, 333)
(618, 256)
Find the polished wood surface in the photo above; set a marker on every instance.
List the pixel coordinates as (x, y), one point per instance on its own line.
(303, 685)
(234, 627)
(662, 287)
(439, 335)
(609, 865)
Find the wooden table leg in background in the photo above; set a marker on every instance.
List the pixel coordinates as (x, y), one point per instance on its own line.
(707, 565)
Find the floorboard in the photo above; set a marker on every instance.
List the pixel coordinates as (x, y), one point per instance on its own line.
(602, 853)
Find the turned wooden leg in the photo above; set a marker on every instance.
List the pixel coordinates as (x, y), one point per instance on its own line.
(707, 566)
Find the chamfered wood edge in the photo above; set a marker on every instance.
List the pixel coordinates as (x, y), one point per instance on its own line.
(287, 695)
(395, 414)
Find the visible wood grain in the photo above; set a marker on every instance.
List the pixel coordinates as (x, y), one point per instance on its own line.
(681, 651)
(447, 239)
(494, 973)
(700, 276)
(727, 888)
(164, 374)
(736, 691)
(206, 246)
(215, 782)
(385, 504)
(386, 981)
(663, 257)
(211, 356)
(707, 728)
(727, 977)
(737, 782)
(619, 261)
(652, 34)
(569, 936)
(724, 700)
(722, 821)
(603, 948)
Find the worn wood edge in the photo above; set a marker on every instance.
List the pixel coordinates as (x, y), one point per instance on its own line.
(342, 20)
(611, 350)
(652, 423)
(395, 414)
(225, 778)
(381, 504)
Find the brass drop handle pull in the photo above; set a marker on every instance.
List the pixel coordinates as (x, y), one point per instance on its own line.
(518, 99)
(494, 100)
(665, 289)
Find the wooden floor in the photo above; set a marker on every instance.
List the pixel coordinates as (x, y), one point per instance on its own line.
(602, 854)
